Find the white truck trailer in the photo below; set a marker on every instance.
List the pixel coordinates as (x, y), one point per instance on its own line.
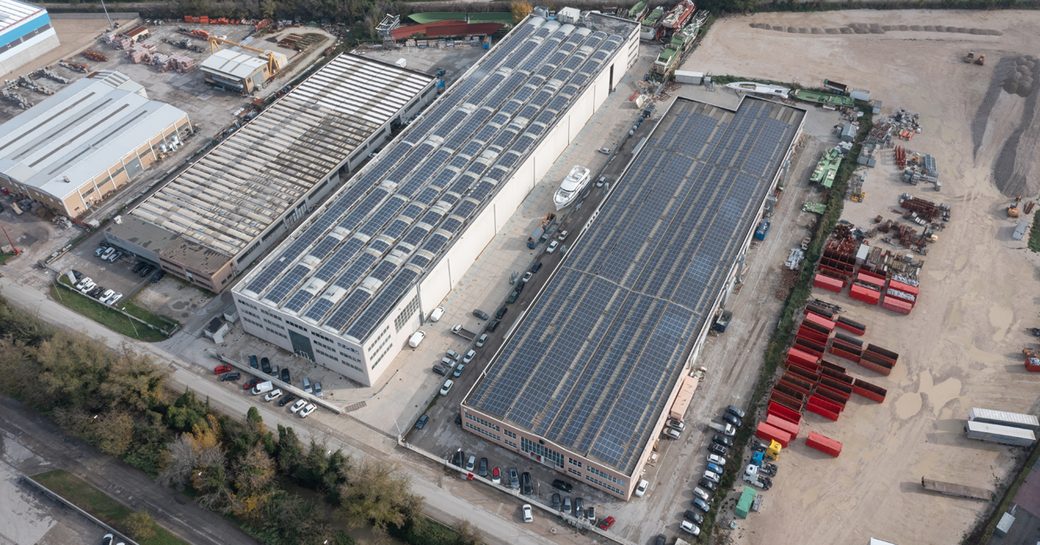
(995, 433)
(1004, 418)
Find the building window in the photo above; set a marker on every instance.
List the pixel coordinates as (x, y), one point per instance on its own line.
(510, 434)
(407, 313)
(574, 462)
(541, 450)
(483, 422)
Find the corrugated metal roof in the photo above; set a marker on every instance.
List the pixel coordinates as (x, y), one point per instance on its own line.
(12, 13)
(233, 63)
(78, 133)
(230, 196)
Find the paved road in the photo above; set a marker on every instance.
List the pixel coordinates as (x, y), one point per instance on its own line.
(447, 498)
(136, 489)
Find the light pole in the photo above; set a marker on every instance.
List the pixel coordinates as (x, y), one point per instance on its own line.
(110, 25)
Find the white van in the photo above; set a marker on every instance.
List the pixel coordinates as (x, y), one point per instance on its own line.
(263, 388)
(416, 338)
(436, 314)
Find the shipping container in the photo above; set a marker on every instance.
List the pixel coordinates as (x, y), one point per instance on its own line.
(798, 380)
(870, 278)
(785, 400)
(822, 411)
(811, 334)
(812, 347)
(848, 339)
(802, 372)
(820, 321)
(877, 368)
(832, 366)
(837, 397)
(842, 345)
(994, 433)
(892, 356)
(897, 285)
(1004, 418)
(845, 354)
(805, 357)
(828, 283)
(804, 365)
(851, 326)
(784, 412)
(683, 398)
(783, 424)
(787, 389)
(837, 376)
(827, 400)
(865, 295)
(838, 385)
(772, 433)
(896, 305)
(823, 444)
(869, 391)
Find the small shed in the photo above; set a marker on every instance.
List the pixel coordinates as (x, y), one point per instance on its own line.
(747, 498)
(216, 329)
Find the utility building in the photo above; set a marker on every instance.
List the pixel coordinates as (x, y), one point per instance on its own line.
(585, 380)
(351, 284)
(25, 34)
(224, 211)
(89, 139)
(238, 71)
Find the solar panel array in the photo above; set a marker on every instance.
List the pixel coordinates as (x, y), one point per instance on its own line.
(379, 235)
(591, 364)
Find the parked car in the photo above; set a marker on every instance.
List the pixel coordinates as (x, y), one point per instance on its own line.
(231, 376)
(493, 325)
(677, 424)
(458, 458)
(514, 479)
(555, 504)
(660, 540)
(732, 420)
(701, 493)
(114, 299)
(439, 369)
(701, 504)
(536, 267)
(284, 375)
(590, 513)
(641, 488)
(579, 506)
(453, 355)
(496, 475)
(718, 449)
(296, 407)
(435, 314)
(159, 274)
(736, 411)
(286, 399)
(470, 354)
(561, 484)
(528, 513)
(317, 388)
(566, 505)
(562, 236)
(552, 246)
(606, 523)
(104, 295)
(306, 384)
(416, 339)
(482, 467)
(525, 483)
(458, 370)
(480, 314)
(715, 468)
(421, 422)
(254, 362)
(716, 459)
(722, 440)
(265, 365)
(107, 539)
(690, 528)
(671, 433)
(482, 340)
(250, 383)
(273, 394)
(501, 312)
(306, 411)
(707, 484)
(446, 387)
(222, 368)
(527, 277)
(471, 463)
(712, 476)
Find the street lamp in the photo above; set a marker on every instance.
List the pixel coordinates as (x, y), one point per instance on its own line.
(110, 25)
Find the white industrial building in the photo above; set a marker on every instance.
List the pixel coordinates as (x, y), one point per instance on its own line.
(224, 211)
(25, 34)
(239, 71)
(351, 284)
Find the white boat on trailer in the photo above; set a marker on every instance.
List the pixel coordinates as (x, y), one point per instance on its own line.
(571, 187)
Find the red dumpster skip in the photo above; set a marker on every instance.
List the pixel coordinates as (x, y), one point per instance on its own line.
(785, 400)
(884, 352)
(793, 393)
(798, 380)
(869, 391)
(876, 367)
(870, 278)
(896, 305)
(812, 347)
(823, 444)
(835, 384)
(851, 356)
(802, 372)
(839, 344)
(831, 395)
(804, 357)
(819, 320)
(864, 294)
(807, 366)
(813, 306)
(851, 326)
(832, 366)
(820, 400)
(897, 285)
(826, 413)
(783, 411)
(767, 432)
(806, 332)
(828, 283)
(783, 424)
(835, 375)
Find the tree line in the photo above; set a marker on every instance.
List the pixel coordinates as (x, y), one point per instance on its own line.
(278, 488)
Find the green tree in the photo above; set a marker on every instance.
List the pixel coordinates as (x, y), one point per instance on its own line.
(289, 452)
(140, 526)
(520, 9)
(468, 534)
(376, 494)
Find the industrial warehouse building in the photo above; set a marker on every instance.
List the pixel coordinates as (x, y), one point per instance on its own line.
(348, 288)
(584, 382)
(220, 214)
(25, 34)
(86, 141)
(237, 71)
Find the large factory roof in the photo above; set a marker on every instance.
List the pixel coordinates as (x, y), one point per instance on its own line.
(80, 132)
(591, 365)
(379, 235)
(229, 197)
(13, 12)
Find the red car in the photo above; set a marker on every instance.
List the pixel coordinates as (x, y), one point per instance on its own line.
(222, 368)
(606, 523)
(250, 383)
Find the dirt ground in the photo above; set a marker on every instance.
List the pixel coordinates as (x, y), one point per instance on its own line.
(960, 348)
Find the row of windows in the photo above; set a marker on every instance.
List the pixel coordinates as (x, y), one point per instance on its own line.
(482, 431)
(510, 434)
(384, 336)
(574, 462)
(541, 450)
(595, 471)
(407, 313)
(573, 471)
(326, 354)
(602, 484)
(510, 443)
(484, 422)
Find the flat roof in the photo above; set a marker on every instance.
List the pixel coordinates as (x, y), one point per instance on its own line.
(13, 12)
(231, 195)
(80, 132)
(591, 364)
(233, 63)
(380, 234)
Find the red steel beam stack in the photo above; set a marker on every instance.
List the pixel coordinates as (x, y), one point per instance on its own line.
(770, 432)
(823, 444)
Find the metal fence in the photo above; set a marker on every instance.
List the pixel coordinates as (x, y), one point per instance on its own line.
(61, 499)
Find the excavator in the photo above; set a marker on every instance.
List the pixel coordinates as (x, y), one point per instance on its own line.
(1012, 209)
(972, 58)
(273, 63)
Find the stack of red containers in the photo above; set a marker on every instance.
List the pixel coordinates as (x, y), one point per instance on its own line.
(878, 359)
(867, 287)
(900, 297)
(847, 347)
(851, 326)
